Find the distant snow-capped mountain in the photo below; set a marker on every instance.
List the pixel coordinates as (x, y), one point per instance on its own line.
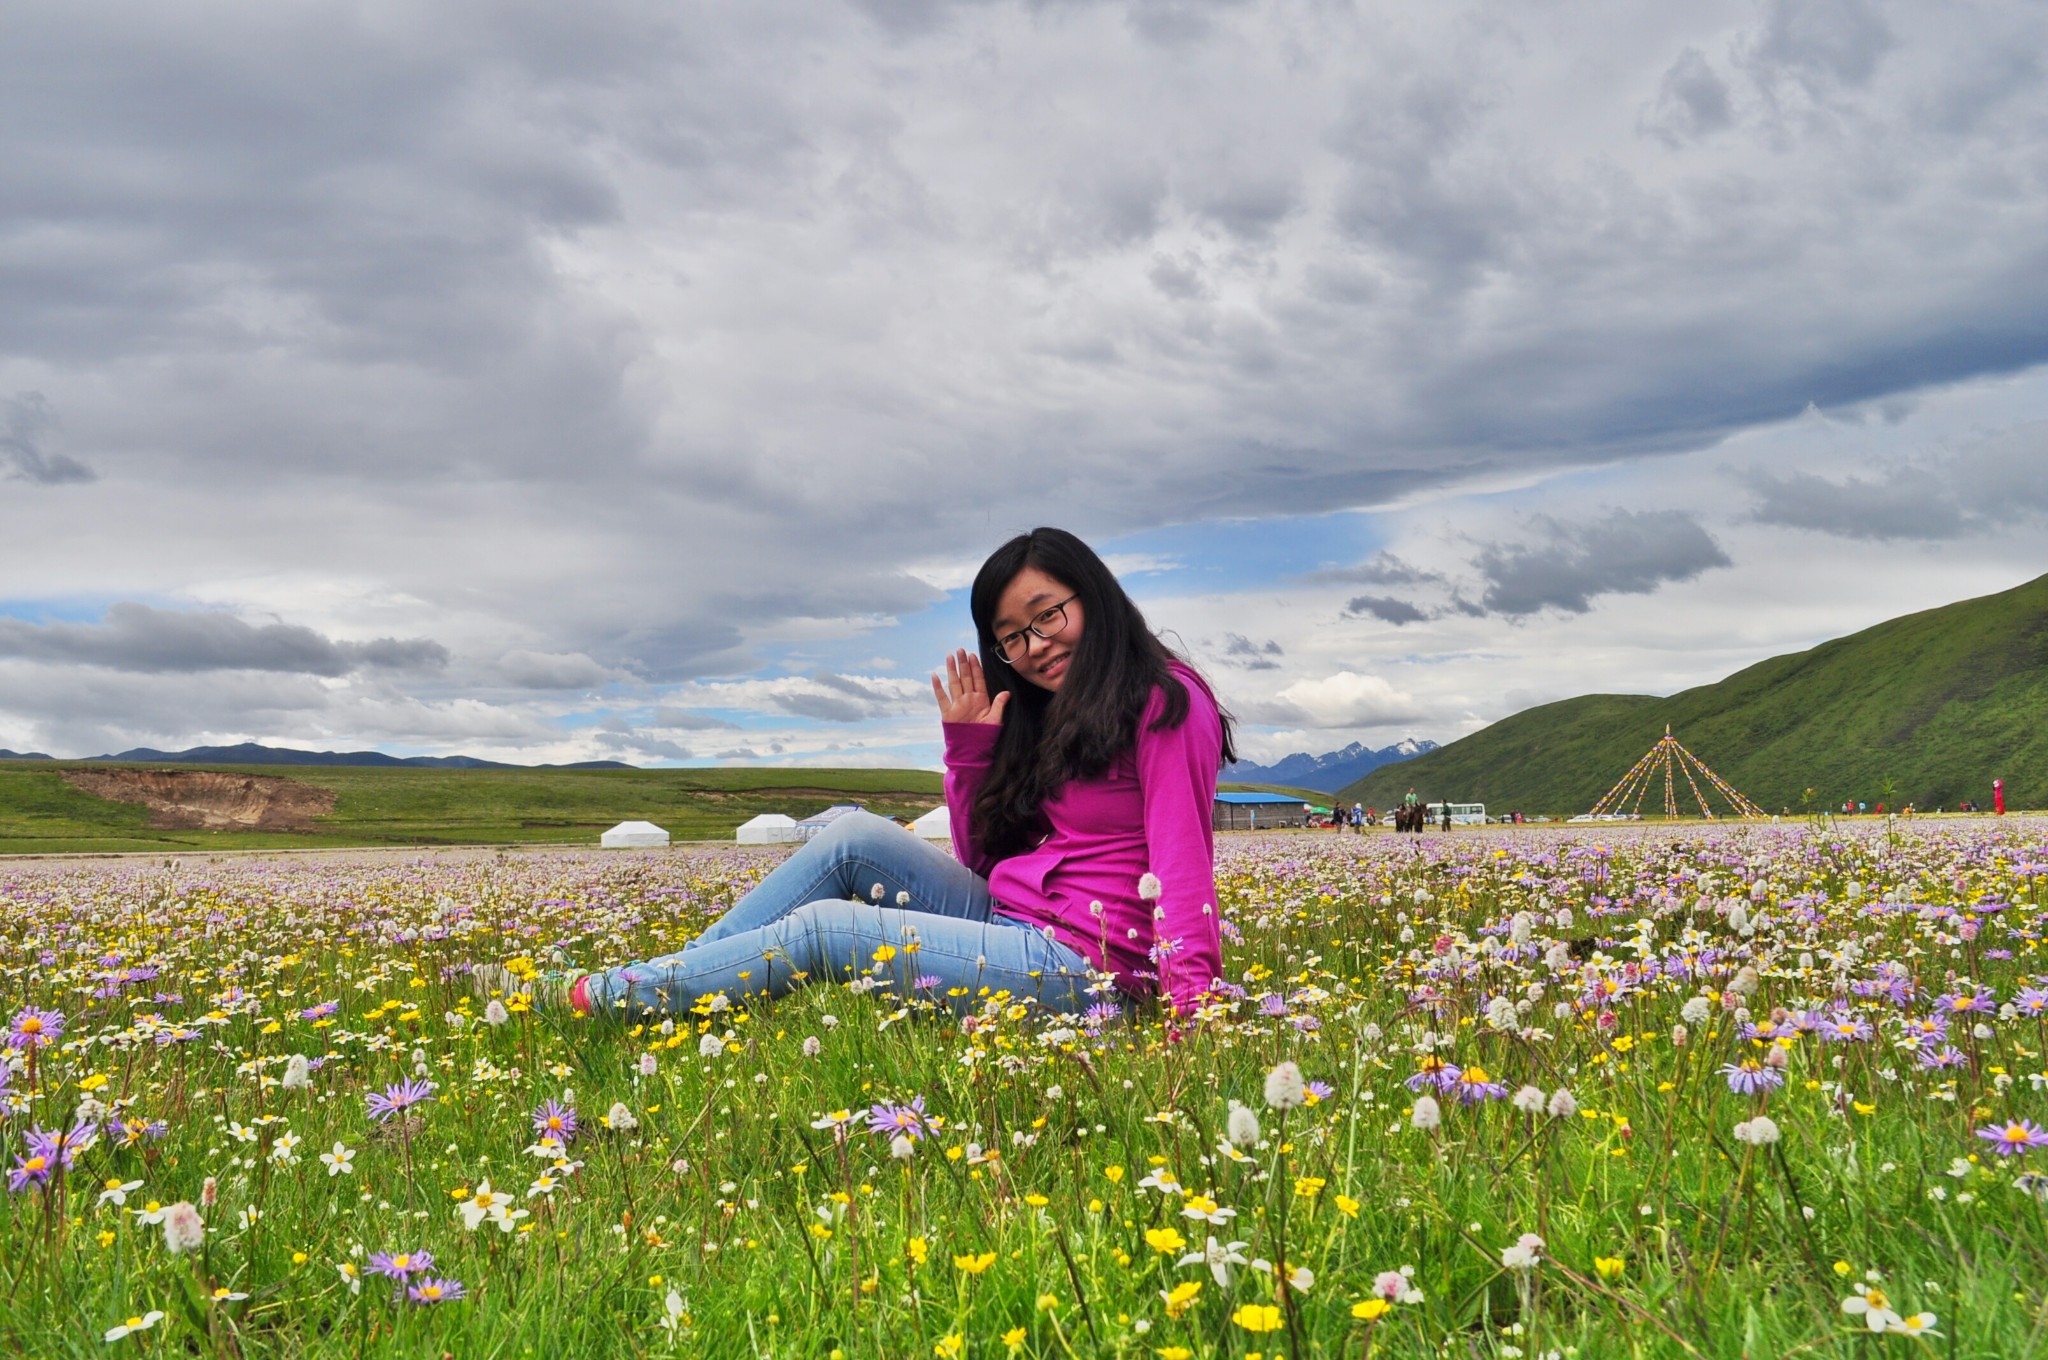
(1327, 773)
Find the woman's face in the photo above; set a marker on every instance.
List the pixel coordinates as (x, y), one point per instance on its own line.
(1034, 600)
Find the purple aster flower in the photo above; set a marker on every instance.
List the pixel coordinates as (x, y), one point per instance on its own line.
(1474, 1086)
(1435, 1072)
(1926, 1029)
(1272, 1003)
(401, 1265)
(34, 1169)
(1935, 1059)
(1980, 999)
(890, 1120)
(1321, 1090)
(555, 1120)
(49, 1153)
(2013, 1137)
(2032, 1001)
(436, 1291)
(1845, 1027)
(1100, 1014)
(399, 1095)
(34, 1028)
(1750, 1077)
(1163, 949)
(927, 981)
(321, 1011)
(131, 1132)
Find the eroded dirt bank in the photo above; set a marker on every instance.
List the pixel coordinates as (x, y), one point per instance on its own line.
(210, 801)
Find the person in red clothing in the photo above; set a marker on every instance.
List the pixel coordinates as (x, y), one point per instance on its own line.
(1081, 765)
(1998, 797)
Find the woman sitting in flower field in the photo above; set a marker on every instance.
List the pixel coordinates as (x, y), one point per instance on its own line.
(1081, 764)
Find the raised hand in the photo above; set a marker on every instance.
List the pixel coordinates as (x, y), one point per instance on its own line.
(963, 695)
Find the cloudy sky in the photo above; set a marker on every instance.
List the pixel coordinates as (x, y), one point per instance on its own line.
(646, 381)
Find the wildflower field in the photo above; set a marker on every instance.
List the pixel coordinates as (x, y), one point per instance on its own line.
(1762, 1091)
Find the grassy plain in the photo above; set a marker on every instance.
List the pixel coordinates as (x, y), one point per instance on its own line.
(41, 814)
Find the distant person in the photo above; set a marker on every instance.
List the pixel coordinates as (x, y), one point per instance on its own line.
(1998, 797)
(1447, 816)
(1081, 761)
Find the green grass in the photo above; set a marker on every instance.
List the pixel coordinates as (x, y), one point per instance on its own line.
(1939, 702)
(41, 814)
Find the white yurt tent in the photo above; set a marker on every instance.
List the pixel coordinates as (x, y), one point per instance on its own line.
(936, 825)
(770, 828)
(628, 834)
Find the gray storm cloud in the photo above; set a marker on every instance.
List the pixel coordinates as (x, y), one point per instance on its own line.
(1567, 565)
(1990, 482)
(136, 637)
(25, 424)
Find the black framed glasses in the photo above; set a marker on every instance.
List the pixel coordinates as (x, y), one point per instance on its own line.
(1047, 624)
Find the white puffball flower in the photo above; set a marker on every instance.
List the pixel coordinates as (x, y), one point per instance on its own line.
(649, 1064)
(813, 1046)
(1427, 1113)
(1284, 1087)
(620, 1119)
(1563, 1104)
(1149, 887)
(1758, 1132)
(495, 1014)
(1243, 1127)
(1529, 1100)
(298, 1072)
(1525, 1255)
(901, 1148)
(710, 1046)
(183, 1229)
(1696, 1011)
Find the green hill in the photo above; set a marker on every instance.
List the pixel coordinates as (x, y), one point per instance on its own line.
(1940, 702)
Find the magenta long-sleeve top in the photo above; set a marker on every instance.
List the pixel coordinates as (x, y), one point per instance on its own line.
(1149, 812)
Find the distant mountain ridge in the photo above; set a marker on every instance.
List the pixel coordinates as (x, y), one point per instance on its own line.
(253, 753)
(1939, 703)
(1330, 772)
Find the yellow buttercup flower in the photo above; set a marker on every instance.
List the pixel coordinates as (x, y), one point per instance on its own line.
(1165, 1241)
(1257, 1317)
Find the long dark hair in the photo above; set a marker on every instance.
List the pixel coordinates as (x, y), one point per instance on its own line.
(1049, 738)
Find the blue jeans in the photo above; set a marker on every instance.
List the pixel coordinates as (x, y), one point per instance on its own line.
(819, 917)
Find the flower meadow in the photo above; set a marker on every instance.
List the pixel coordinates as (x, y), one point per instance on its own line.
(1719, 1091)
